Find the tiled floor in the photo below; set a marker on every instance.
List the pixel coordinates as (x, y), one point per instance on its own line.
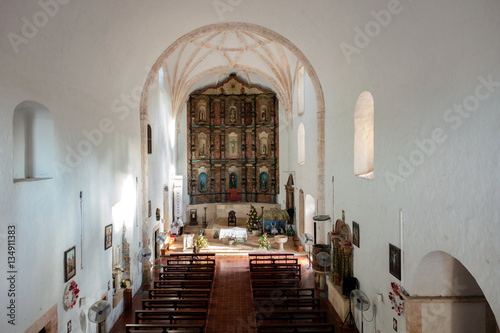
(231, 308)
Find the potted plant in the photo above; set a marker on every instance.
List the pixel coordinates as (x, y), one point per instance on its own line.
(201, 242)
(264, 243)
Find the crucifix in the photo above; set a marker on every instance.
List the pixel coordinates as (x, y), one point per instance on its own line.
(233, 146)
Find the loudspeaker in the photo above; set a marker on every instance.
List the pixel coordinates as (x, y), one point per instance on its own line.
(349, 284)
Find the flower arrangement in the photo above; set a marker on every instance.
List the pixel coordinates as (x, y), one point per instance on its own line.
(290, 232)
(264, 243)
(397, 301)
(253, 220)
(233, 240)
(123, 284)
(71, 295)
(201, 242)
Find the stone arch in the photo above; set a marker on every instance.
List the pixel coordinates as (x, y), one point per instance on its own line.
(445, 297)
(251, 28)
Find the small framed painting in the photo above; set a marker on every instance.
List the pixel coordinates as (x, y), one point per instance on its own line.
(149, 208)
(395, 261)
(394, 324)
(108, 236)
(355, 233)
(69, 263)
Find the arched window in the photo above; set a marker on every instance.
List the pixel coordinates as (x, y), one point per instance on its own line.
(363, 136)
(150, 140)
(301, 145)
(301, 91)
(33, 138)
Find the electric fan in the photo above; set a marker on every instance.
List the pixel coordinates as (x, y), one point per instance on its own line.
(160, 240)
(309, 241)
(324, 260)
(361, 302)
(143, 257)
(98, 313)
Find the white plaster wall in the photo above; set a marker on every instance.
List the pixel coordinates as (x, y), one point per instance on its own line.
(87, 62)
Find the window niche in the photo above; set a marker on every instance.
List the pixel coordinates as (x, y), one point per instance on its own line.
(363, 136)
(301, 145)
(33, 142)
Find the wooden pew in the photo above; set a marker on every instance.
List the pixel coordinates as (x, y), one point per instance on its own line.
(179, 293)
(165, 328)
(289, 303)
(189, 268)
(296, 328)
(256, 268)
(256, 261)
(289, 316)
(191, 261)
(186, 276)
(191, 256)
(275, 283)
(271, 255)
(175, 304)
(183, 284)
(275, 275)
(157, 316)
(282, 292)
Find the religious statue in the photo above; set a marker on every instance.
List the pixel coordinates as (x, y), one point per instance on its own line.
(263, 110)
(232, 181)
(264, 149)
(202, 149)
(232, 114)
(202, 113)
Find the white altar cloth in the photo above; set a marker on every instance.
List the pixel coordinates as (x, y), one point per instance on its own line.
(233, 232)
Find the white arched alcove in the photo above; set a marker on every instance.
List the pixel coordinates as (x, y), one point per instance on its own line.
(363, 136)
(309, 213)
(445, 297)
(33, 141)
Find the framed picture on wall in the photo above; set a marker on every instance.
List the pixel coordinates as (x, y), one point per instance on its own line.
(108, 236)
(149, 208)
(355, 233)
(395, 261)
(69, 263)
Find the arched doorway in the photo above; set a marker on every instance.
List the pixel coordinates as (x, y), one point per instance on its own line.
(445, 297)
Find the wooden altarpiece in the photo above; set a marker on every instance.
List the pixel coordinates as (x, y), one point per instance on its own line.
(233, 136)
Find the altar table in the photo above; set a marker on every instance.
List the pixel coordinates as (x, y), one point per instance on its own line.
(233, 232)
